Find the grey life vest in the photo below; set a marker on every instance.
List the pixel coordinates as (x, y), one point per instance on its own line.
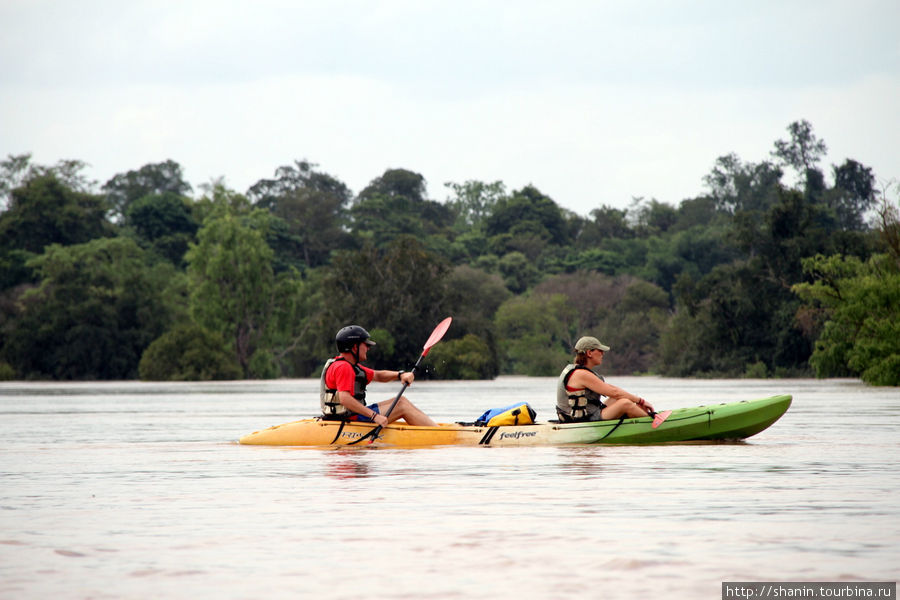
(580, 405)
(328, 398)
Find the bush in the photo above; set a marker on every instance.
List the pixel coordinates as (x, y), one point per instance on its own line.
(467, 358)
(262, 365)
(188, 353)
(757, 370)
(7, 373)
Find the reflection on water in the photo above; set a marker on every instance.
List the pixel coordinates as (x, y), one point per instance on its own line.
(138, 490)
(346, 463)
(580, 461)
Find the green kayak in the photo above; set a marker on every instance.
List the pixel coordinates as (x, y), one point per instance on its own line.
(731, 421)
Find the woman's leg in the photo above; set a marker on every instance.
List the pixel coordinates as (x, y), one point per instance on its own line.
(622, 406)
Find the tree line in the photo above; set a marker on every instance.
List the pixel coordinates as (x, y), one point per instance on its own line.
(144, 277)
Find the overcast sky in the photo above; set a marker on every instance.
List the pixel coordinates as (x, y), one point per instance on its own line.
(593, 102)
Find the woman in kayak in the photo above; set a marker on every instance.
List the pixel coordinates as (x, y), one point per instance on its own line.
(580, 391)
(344, 380)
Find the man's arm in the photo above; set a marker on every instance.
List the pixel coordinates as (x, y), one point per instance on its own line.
(406, 377)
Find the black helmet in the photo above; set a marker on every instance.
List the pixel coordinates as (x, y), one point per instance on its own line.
(350, 336)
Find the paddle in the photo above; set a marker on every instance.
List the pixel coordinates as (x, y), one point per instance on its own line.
(435, 337)
(659, 417)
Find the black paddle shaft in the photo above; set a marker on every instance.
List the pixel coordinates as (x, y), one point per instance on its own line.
(435, 337)
(377, 429)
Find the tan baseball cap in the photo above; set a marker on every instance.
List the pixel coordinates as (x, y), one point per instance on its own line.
(589, 343)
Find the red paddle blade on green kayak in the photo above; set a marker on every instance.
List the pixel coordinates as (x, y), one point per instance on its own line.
(658, 418)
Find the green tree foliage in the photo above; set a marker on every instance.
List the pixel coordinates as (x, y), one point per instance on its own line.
(701, 288)
(541, 328)
(652, 218)
(469, 357)
(400, 288)
(745, 309)
(189, 353)
(473, 201)
(395, 205)
(302, 175)
(313, 207)
(7, 372)
(526, 222)
(852, 196)
(626, 312)
(605, 223)
(889, 225)
(536, 329)
(518, 272)
(164, 223)
(154, 178)
(804, 150)
(44, 211)
(17, 170)
(653, 241)
(218, 197)
(473, 297)
(736, 186)
(13, 171)
(733, 317)
(861, 301)
(235, 291)
(99, 305)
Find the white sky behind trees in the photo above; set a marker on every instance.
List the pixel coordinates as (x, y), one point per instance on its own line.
(593, 102)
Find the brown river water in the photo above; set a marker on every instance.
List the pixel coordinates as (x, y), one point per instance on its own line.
(138, 490)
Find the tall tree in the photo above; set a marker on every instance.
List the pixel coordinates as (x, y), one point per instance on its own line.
(651, 217)
(473, 297)
(302, 175)
(803, 153)
(99, 305)
(473, 201)
(153, 178)
(536, 330)
(606, 223)
(395, 204)
(852, 196)
(861, 302)
(164, 223)
(730, 321)
(529, 211)
(397, 182)
(399, 289)
(889, 223)
(737, 186)
(45, 211)
(313, 207)
(234, 289)
(804, 150)
(17, 170)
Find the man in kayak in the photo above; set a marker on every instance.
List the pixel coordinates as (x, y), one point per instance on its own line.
(580, 391)
(344, 380)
